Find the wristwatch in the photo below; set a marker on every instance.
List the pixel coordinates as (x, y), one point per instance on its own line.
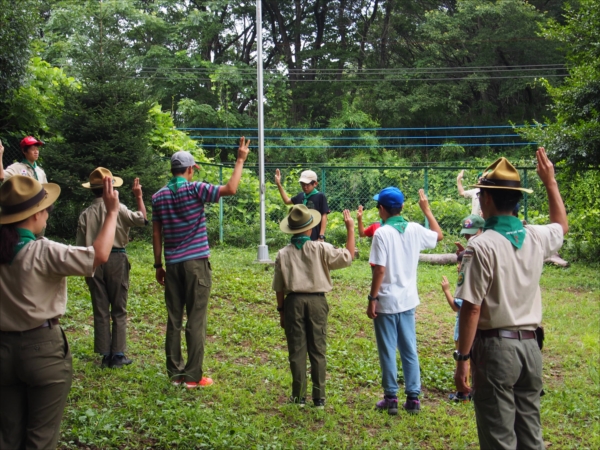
(460, 357)
(372, 299)
(322, 236)
(157, 265)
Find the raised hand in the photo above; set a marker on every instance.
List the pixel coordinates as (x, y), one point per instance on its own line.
(359, 213)
(110, 196)
(137, 188)
(277, 177)
(460, 176)
(459, 247)
(423, 202)
(1, 149)
(445, 284)
(348, 220)
(243, 149)
(545, 169)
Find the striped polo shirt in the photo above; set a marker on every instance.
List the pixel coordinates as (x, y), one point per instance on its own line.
(181, 215)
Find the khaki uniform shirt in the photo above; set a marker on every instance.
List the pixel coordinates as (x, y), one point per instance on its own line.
(505, 280)
(307, 270)
(92, 218)
(33, 288)
(26, 171)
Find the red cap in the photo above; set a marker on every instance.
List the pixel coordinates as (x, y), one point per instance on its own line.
(30, 140)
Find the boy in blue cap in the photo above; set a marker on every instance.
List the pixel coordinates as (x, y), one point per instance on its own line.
(394, 298)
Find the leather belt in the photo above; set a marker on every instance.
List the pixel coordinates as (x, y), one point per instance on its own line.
(47, 323)
(506, 334)
(322, 294)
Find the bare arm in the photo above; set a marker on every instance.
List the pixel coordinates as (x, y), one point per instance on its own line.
(234, 181)
(378, 273)
(106, 237)
(282, 192)
(137, 192)
(1, 163)
(324, 226)
(433, 225)
(467, 327)
(359, 217)
(350, 230)
(461, 190)
(448, 294)
(545, 170)
(157, 249)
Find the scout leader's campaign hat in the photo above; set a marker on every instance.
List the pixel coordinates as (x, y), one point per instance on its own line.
(308, 176)
(501, 175)
(30, 140)
(300, 219)
(390, 197)
(183, 159)
(99, 174)
(471, 224)
(21, 197)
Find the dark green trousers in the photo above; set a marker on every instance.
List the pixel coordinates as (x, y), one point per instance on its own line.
(35, 379)
(109, 288)
(507, 381)
(187, 288)
(305, 317)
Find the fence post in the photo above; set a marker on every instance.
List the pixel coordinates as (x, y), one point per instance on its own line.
(525, 210)
(426, 189)
(323, 179)
(221, 206)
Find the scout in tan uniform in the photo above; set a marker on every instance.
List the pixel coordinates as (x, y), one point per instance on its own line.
(35, 361)
(28, 167)
(502, 306)
(300, 283)
(110, 284)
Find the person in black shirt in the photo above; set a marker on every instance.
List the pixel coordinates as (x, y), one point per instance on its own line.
(311, 197)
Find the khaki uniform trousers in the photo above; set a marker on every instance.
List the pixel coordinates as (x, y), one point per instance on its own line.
(35, 378)
(507, 381)
(187, 288)
(305, 317)
(109, 288)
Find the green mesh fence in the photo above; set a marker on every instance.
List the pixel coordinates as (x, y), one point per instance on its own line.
(236, 221)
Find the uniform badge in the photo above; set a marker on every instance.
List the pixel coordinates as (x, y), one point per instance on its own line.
(24, 172)
(461, 279)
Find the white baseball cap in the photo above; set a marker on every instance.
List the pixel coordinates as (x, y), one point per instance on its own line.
(308, 176)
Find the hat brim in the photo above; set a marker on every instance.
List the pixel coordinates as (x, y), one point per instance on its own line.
(117, 182)
(52, 193)
(481, 186)
(285, 226)
(469, 230)
(306, 180)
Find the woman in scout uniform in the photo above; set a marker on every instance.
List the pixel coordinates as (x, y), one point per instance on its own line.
(35, 361)
(28, 167)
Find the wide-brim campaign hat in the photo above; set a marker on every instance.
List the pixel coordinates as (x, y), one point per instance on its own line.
(501, 175)
(300, 219)
(21, 197)
(97, 177)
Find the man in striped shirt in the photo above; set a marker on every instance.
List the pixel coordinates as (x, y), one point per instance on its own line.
(179, 221)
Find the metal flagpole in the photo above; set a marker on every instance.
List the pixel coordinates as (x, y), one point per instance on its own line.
(263, 249)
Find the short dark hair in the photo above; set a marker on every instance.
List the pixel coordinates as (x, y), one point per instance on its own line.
(178, 170)
(505, 200)
(391, 211)
(97, 192)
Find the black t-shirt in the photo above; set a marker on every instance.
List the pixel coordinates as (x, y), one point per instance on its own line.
(317, 202)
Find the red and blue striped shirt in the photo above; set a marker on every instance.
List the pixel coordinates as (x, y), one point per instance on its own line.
(181, 215)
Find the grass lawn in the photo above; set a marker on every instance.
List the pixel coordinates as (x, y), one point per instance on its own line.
(136, 407)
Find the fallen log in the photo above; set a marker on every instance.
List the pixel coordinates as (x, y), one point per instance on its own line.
(450, 258)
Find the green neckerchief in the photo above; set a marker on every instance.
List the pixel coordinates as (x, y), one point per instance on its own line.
(398, 222)
(27, 163)
(508, 226)
(25, 237)
(299, 240)
(175, 183)
(307, 196)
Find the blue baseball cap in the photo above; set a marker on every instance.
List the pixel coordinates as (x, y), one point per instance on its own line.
(390, 197)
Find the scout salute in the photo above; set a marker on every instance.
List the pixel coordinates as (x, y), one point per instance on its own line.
(394, 298)
(178, 219)
(110, 284)
(35, 361)
(471, 193)
(502, 306)
(28, 167)
(311, 197)
(300, 282)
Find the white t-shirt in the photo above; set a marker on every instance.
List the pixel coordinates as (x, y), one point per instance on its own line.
(475, 207)
(399, 254)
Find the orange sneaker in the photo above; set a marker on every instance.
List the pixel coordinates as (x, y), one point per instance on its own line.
(204, 382)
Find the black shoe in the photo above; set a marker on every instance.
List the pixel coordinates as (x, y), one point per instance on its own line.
(319, 403)
(118, 361)
(105, 361)
(301, 402)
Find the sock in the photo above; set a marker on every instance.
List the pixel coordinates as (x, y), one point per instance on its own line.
(391, 397)
(412, 398)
